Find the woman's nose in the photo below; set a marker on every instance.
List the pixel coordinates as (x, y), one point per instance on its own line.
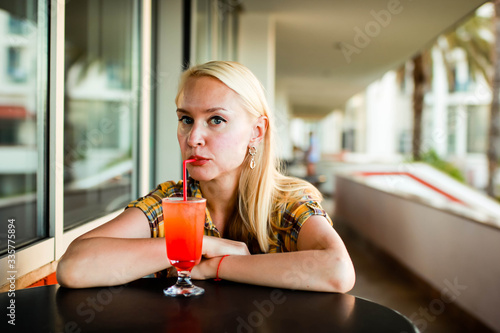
(196, 135)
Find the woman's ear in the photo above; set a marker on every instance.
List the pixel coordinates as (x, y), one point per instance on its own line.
(259, 130)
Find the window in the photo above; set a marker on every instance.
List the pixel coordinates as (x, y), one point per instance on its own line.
(227, 25)
(23, 86)
(477, 128)
(348, 139)
(216, 31)
(405, 142)
(203, 31)
(101, 107)
(452, 130)
(16, 69)
(16, 24)
(69, 140)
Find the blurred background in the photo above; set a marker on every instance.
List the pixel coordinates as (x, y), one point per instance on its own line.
(391, 108)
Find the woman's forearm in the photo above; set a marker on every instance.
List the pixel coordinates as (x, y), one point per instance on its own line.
(315, 270)
(103, 261)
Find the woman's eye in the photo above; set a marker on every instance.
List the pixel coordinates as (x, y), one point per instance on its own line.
(217, 120)
(186, 120)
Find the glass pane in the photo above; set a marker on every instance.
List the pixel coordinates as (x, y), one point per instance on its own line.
(23, 84)
(452, 130)
(203, 31)
(234, 22)
(101, 101)
(477, 128)
(224, 9)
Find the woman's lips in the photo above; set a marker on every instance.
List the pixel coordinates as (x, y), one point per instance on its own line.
(199, 162)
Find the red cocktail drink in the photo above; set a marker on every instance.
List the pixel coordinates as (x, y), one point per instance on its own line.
(183, 222)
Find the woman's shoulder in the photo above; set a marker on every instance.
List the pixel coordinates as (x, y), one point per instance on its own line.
(169, 186)
(289, 217)
(302, 203)
(296, 200)
(291, 190)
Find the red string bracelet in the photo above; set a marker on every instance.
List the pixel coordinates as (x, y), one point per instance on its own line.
(217, 278)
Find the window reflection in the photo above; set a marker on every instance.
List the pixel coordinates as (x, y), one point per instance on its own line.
(22, 112)
(101, 101)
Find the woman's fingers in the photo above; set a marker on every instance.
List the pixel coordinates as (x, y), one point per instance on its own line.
(217, 247)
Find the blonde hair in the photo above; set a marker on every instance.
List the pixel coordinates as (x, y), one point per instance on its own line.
(264, 189)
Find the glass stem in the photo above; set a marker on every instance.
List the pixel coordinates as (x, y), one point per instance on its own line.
(184, 279)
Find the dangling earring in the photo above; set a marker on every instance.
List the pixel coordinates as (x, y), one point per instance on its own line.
(252, 151)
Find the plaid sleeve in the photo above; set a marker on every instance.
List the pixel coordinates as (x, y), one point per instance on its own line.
(150, 205)
(294, 216)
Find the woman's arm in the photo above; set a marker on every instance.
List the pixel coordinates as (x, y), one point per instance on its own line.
(117, 252)
(122, 250)
(320, 264)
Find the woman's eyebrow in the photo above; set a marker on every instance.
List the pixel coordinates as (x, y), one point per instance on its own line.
(216, 109)
(211, 110)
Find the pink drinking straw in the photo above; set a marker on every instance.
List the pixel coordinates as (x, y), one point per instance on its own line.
(184, 180)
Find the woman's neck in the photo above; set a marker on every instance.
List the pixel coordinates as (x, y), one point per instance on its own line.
(222, 199)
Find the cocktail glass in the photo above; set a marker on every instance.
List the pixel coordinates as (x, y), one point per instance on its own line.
(184, 221)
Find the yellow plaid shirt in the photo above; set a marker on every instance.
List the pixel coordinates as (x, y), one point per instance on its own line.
(292, 216)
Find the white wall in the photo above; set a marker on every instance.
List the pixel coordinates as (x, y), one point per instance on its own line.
(355, 118)
(436, 136)
(282, 120)
(380, 117)
(331, 133)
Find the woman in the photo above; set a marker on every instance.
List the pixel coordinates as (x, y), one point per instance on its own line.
(271, 226)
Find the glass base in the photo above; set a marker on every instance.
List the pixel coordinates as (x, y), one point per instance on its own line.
(183, 287)
(175, 291)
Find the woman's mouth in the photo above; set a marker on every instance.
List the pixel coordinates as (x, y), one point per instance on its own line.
(199, 160)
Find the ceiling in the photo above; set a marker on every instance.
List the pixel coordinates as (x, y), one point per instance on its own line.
(329, 50)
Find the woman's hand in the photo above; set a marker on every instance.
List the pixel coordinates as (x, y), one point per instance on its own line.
(214, 249)
(206, 269)
(218, 247)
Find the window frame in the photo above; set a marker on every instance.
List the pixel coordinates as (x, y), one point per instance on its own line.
(50, 184)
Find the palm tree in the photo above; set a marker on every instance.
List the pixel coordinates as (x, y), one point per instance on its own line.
(419, 83)
(472, 39)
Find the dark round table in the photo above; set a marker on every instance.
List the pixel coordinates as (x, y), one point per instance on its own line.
(140, 306)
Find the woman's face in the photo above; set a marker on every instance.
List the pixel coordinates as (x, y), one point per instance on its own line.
(213, 128)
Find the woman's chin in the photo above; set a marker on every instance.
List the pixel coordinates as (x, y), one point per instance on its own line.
(200, 177)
